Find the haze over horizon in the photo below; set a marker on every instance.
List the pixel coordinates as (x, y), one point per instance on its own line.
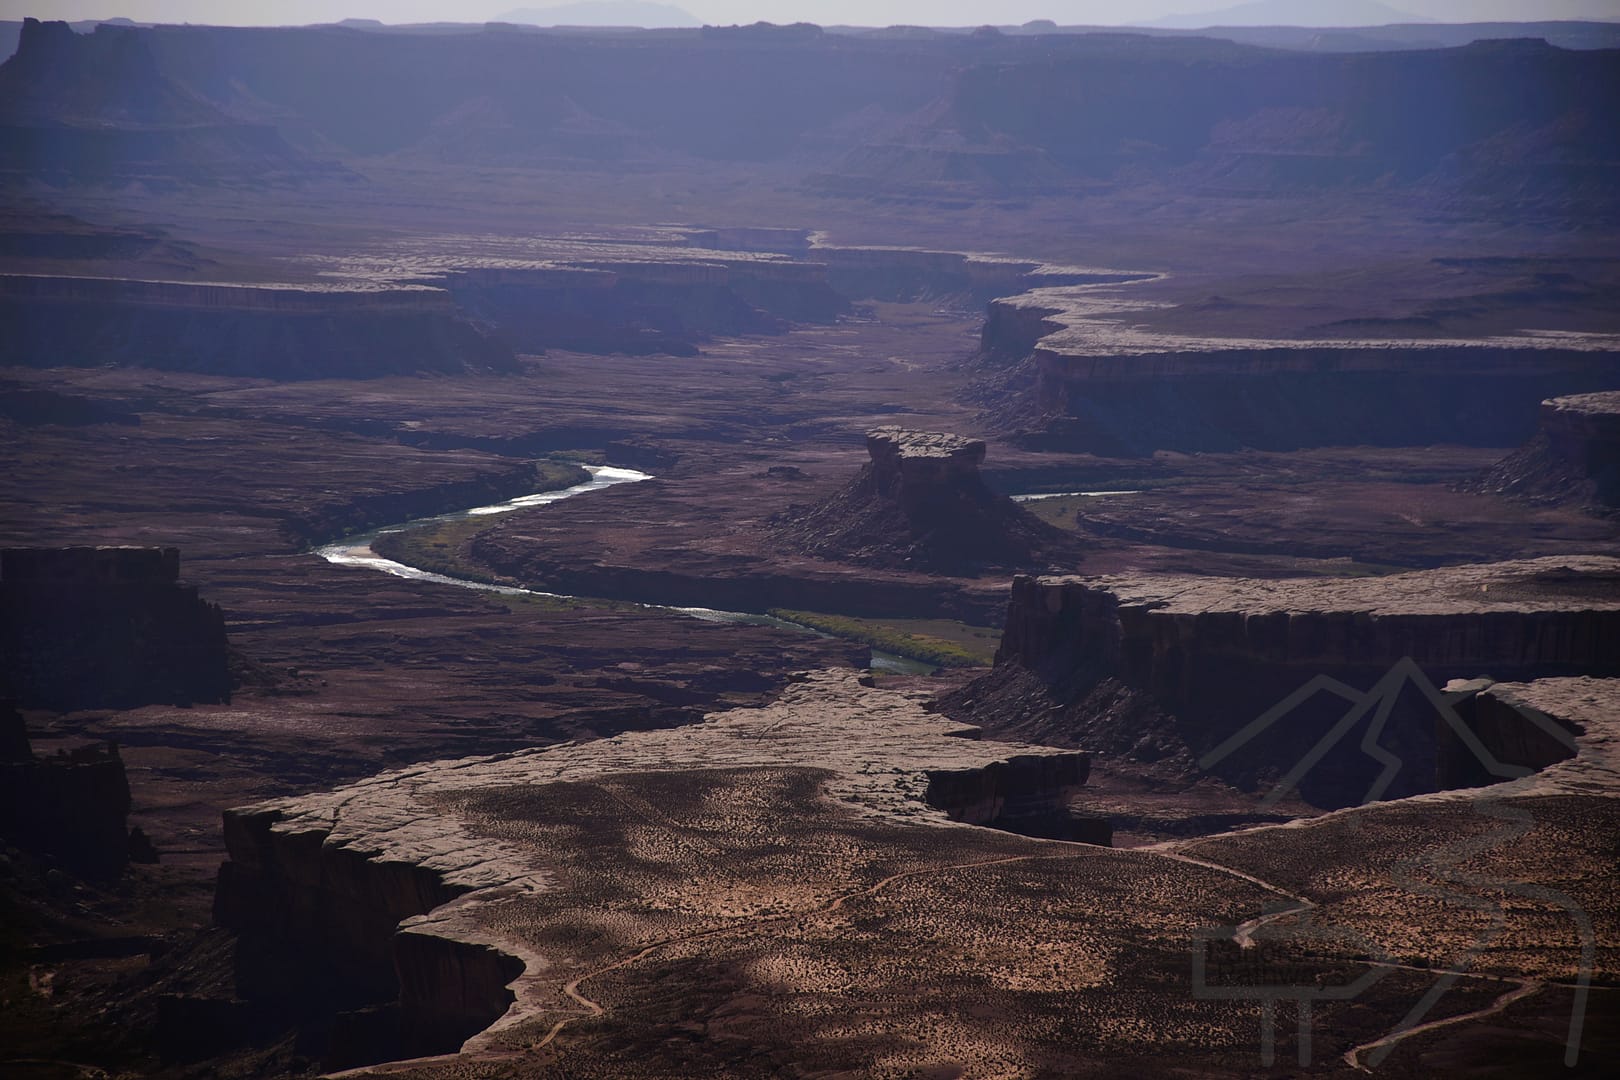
(720, 12)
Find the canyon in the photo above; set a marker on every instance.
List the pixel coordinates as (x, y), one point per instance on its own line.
(1084, 566)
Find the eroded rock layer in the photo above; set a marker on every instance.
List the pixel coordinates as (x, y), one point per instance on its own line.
(1566, 729)
(1253, 677)
(1088, 378)
(1573, 458)
(269, 331)
(69, 806)
(921, 504)
(85, 627)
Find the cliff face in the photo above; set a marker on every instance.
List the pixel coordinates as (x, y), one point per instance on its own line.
(644, 306)
(327, 900)
(95, 108)
(921, 504)
(1027, 794)
(70, 807)
(1508, 733)
(1284, 399)
(1573, 458)
(285, 332)
(863, 115)
(1213, 656)
(1081, 374)
(98, 627)
(1567, 729)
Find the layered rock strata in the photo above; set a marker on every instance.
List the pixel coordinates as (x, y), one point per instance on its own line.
(267, 331)
(70, 807)
(1574, 457)
(95, 108)
(333, 875)
(1095, 382)
(84, 627)
(920, 503)
(1256, 676)
(1564, 730)
(644, 305)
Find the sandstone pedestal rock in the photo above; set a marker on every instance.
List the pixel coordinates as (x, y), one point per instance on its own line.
(920, 503)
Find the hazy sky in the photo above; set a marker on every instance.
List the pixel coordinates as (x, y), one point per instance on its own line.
(856, 12)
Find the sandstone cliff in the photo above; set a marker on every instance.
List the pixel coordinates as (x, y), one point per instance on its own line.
(266, 331)
(1172, 665)
(1573, 458)
(646, 304)
(1078, 375)
(99, 627)
(69, 807)
(95, 108)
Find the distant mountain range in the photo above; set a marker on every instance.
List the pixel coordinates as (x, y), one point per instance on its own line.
(643, 13)
(932, 115)
(1292, 13)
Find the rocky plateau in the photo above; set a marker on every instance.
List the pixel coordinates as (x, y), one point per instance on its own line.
(1188, 522)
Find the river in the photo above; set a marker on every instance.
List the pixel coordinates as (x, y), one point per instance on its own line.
(356, 551)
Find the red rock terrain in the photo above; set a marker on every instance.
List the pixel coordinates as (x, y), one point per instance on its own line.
(1274, 297)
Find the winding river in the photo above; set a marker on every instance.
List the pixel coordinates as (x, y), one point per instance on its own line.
(356, 551)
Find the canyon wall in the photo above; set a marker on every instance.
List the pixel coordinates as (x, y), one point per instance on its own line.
(1303, 398)
(301, 903)
(1081, 375)
(641, 306)
(95, 109)
(266, 331)
(909, 275)
(1508, 733)
(1278, 665)
(106, 627)
(1025, 794)
(1574, 457)
(69, 807)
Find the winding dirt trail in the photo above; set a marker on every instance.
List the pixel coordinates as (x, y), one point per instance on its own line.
(1523, 989)
(1243, 935)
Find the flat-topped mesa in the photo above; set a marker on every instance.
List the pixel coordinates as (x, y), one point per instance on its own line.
(1205, 658)
(1185, 637)
(920, 504)
(1573, 459)
(97, 108)
(91, 627)
(919, 462)
(1084, 376)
